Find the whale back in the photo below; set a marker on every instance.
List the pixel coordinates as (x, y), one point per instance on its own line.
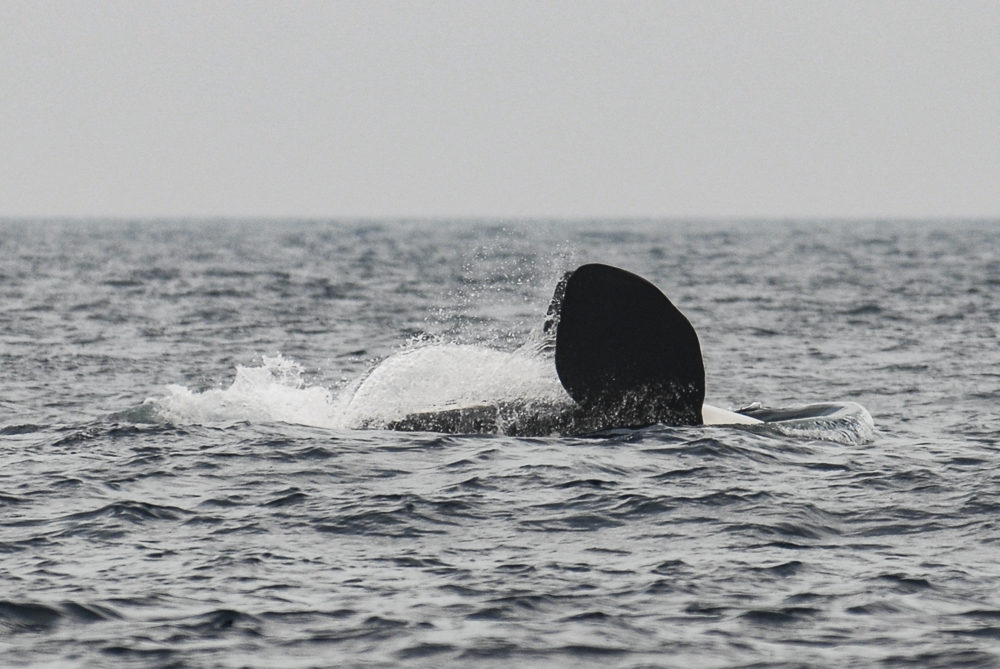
(624, 352)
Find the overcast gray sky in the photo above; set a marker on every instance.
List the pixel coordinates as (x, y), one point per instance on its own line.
(512, 109)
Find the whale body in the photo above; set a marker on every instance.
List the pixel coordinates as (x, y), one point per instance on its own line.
(624, 356)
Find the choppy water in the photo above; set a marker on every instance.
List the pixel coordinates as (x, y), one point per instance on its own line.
(182, 482)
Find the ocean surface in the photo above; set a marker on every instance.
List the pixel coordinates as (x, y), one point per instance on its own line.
(193, 470)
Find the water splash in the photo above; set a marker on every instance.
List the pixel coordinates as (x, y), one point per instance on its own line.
(839, 422)
(272, 392)
(433, 377)
(449, 376)
(422, 378)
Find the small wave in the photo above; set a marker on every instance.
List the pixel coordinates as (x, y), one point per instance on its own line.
(846, 423)
(125, 510)
(222, 621)
(27, 428)
(779, 617)
(35, 617)
(28, 616)
(135, 512)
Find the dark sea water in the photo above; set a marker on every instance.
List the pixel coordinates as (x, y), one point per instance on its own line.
(184, 481)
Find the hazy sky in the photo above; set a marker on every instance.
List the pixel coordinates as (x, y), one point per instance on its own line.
(567, 109)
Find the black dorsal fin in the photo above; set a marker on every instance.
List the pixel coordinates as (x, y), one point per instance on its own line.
(624, 352)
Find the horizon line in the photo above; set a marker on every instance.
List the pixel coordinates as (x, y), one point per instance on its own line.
(493, 219)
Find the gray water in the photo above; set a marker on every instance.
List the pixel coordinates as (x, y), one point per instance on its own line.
(183, 480)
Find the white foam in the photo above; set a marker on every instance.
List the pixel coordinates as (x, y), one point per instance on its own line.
(424, 378)
(447, 376)
(850, 424)
(273, 392)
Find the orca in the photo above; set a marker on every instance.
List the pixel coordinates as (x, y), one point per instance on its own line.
(623, 352)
